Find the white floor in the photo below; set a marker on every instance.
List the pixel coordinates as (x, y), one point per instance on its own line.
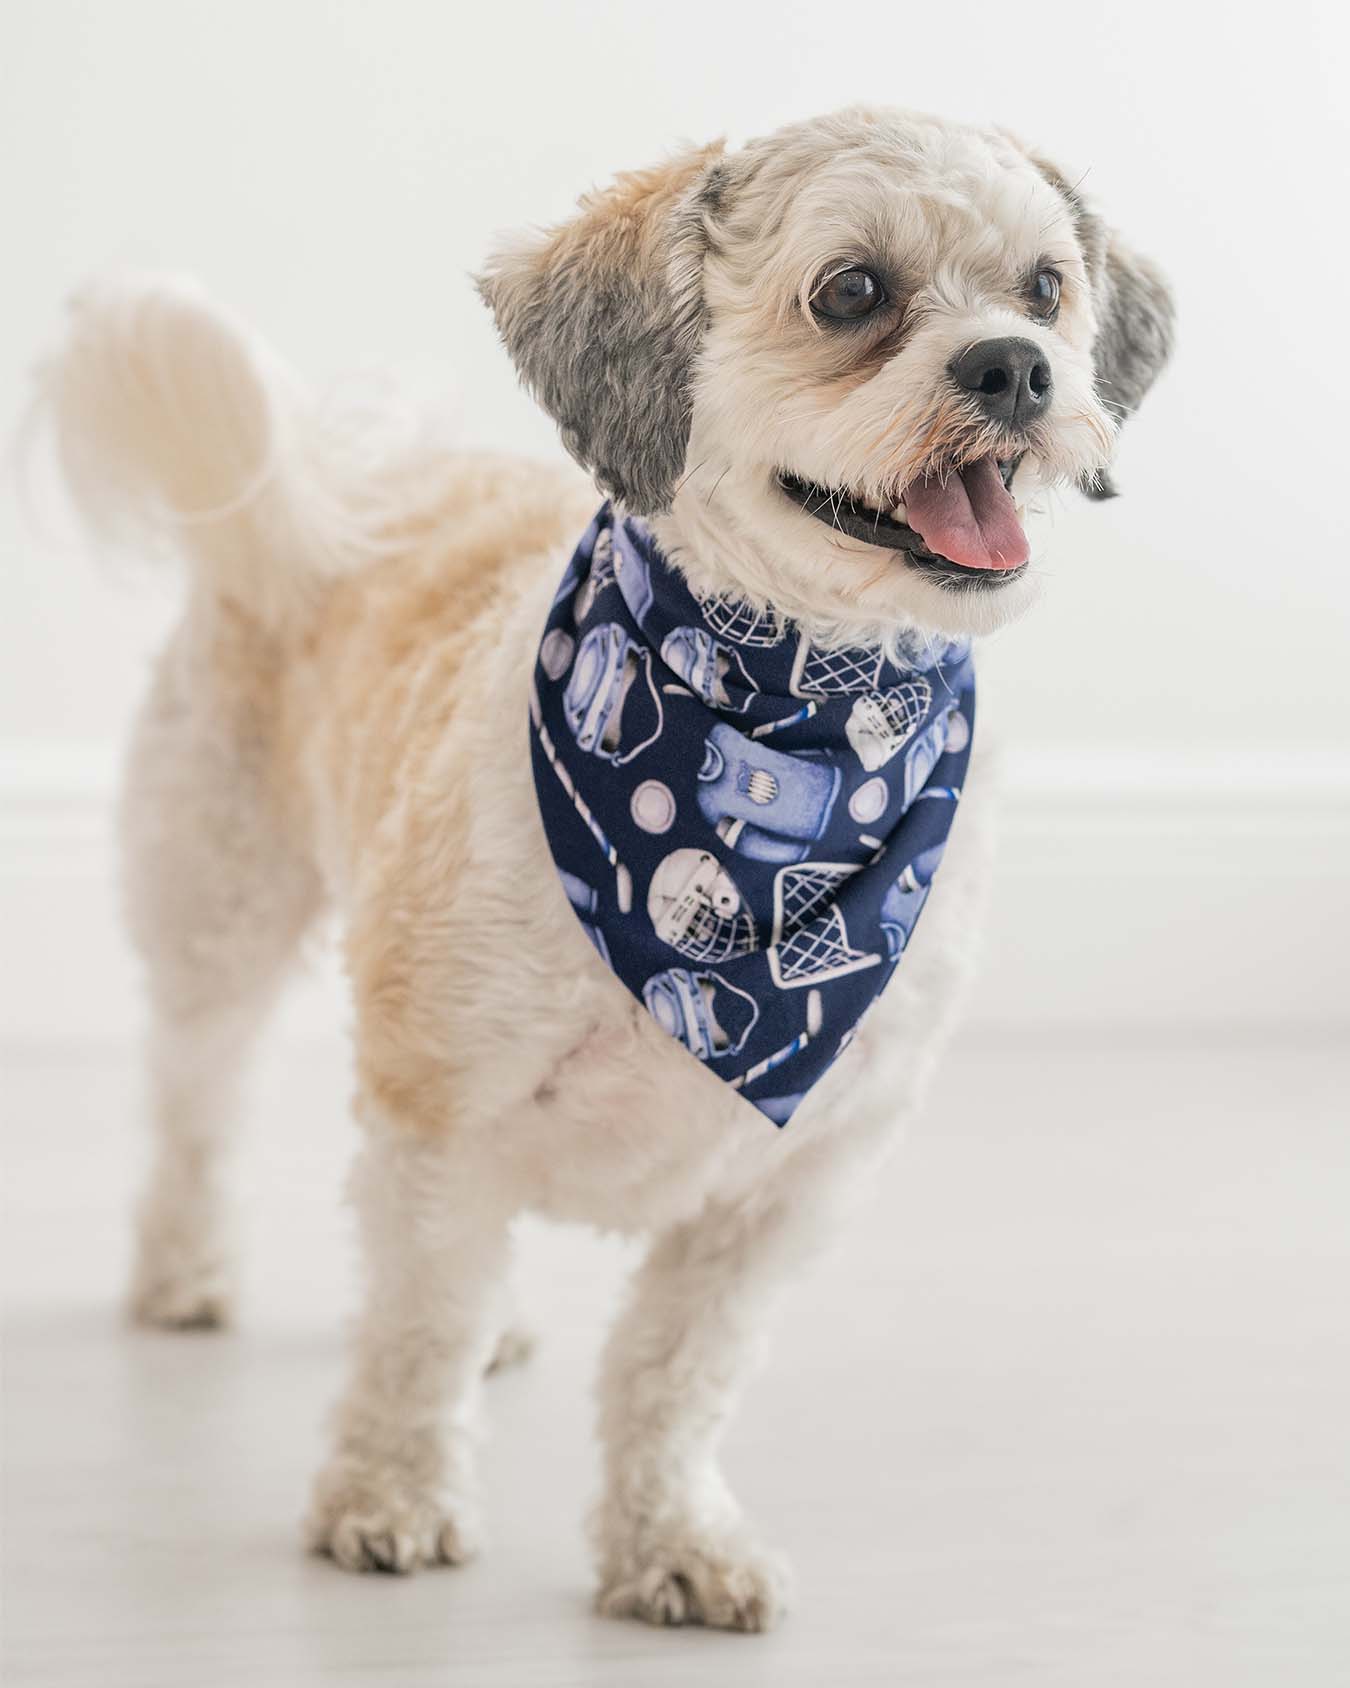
(1087, 1421)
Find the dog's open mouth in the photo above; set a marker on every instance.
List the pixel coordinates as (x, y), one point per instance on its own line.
(962, 529)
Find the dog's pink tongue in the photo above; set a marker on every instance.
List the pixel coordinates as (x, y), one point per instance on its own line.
(969, 518)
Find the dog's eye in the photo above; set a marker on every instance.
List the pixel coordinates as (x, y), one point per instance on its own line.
(848, 295)
(1044, 293)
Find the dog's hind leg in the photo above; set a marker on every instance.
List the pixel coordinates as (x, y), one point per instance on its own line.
(181, 433)
(217, 897)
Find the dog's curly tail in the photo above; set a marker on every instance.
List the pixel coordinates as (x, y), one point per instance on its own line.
(179, 429)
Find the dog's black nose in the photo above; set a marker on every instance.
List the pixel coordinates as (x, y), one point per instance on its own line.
(1009, 379)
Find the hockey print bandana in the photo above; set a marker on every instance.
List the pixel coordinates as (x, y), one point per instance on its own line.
(746, 824)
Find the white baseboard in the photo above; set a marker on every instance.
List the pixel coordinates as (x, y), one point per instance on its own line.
(1189, 892)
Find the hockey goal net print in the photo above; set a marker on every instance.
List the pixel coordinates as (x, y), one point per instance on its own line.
(835, 673)
(810, 940)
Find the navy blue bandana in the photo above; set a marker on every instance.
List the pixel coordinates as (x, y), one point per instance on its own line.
(746, 824)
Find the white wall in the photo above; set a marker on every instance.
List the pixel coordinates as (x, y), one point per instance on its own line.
(334, 168)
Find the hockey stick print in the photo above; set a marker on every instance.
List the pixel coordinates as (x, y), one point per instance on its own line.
(788, 1050)
(623, 880)
(803, 714)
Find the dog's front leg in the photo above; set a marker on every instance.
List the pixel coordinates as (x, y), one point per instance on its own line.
(398, 1490)
(671, 1543)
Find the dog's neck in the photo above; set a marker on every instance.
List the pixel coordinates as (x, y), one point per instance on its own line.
(730, 529)
(747, 542)
(725, 558)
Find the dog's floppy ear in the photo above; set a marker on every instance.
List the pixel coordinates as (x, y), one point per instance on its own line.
(1135, 322)
(603, 315)
(1134, 310)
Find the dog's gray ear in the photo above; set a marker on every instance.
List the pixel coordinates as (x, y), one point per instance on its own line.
(1136, 319)
(602, 317)
(1135, 313)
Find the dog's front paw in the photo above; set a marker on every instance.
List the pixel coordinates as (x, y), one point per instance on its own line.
(364, 1526)
(725, 1581)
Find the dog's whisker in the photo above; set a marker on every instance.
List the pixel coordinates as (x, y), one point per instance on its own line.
(708, 500)
(688, 476)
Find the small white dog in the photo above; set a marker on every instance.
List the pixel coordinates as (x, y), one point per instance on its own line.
(762, 353)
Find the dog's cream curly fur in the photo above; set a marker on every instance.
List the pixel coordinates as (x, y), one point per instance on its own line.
(340, 721)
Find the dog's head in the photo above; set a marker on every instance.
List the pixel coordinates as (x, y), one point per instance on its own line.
(836, 367)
